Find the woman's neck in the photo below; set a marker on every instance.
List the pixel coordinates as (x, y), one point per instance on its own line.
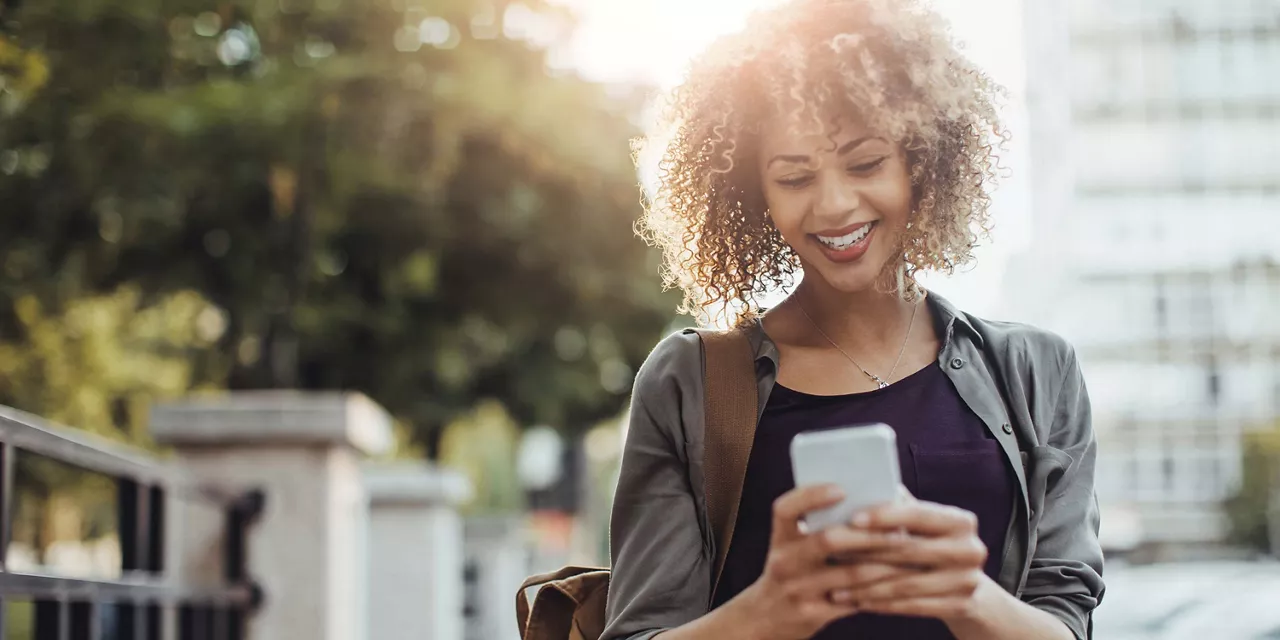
(865, 320)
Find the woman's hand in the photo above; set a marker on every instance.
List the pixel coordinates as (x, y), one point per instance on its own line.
(942, 552)
(803, 588)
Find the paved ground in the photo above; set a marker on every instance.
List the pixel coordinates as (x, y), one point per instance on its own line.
(1191, 601)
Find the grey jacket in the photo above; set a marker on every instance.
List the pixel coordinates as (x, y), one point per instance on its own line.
(1024, 383)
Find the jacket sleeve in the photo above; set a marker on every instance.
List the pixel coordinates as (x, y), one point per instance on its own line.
(661, 573)
(1065, 576)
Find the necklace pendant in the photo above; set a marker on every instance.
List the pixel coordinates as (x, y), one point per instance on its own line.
(881, 383)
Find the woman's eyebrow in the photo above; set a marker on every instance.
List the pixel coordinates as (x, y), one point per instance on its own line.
(794, 159)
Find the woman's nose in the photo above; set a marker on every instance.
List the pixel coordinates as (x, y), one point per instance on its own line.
(836, 198)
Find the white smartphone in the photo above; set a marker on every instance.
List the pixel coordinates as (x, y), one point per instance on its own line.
(861, 460)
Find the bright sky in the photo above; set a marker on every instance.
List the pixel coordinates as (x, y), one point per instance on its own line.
(651, 41)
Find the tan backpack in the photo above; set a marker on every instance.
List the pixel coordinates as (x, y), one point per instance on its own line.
(570, 603)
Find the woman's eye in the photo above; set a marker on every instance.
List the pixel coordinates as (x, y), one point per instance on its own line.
(795, 183)
(868, 166)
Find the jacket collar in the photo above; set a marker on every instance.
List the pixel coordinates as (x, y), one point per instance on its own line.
(947, 316)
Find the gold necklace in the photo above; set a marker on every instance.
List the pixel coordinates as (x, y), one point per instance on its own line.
(880, 382)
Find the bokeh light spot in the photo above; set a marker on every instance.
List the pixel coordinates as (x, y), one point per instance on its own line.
(208, 24)
(235, 47)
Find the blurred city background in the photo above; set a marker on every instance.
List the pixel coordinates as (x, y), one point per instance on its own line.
(318, 318)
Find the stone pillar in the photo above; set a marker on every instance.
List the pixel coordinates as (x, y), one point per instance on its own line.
(415, 552)
(307, 549)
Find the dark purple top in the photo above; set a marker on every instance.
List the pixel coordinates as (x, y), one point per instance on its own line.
(947, 456)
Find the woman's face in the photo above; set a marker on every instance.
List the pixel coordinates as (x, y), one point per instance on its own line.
(841, 201)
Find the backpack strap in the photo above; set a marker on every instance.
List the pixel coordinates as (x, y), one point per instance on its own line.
(731, 409)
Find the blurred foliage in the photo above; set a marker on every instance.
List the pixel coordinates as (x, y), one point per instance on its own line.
(391, 196)
(1249, 510)
(103, 360)
(482, 445)
(19, 618)
(21, 74)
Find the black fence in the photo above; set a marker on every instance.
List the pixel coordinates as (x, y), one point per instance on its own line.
(84, 543)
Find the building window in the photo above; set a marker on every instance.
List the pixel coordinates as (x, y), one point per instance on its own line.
(1162, 308)
(1215, 482)
(1215, 383)
(1200, 310)
(1209, 482)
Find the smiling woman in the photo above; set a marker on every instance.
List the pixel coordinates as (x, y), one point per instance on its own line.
(840, 148)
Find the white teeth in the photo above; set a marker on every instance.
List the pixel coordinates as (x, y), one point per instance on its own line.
(844, 242)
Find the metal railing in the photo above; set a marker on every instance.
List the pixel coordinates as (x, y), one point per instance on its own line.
(140, 598)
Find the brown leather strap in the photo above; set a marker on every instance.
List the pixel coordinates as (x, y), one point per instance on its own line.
(731, 408)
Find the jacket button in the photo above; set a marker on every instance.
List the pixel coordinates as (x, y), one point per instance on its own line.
(1007, 428)
(956, 363)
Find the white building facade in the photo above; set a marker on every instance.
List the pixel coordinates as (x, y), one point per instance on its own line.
(1155, 146)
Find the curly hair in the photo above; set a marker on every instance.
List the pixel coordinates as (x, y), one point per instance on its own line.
(890, 63)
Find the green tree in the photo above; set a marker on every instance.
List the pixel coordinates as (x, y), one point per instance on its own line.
(392, 196)
(482, 445)
(102, 361)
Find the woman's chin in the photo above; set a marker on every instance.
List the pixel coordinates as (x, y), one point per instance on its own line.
(847, 279)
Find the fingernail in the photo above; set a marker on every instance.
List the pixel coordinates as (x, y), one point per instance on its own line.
(833, 493)
(842, 596)
(861, 519)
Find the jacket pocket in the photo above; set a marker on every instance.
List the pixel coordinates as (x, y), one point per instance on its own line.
(957, 476)
(975, 477)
